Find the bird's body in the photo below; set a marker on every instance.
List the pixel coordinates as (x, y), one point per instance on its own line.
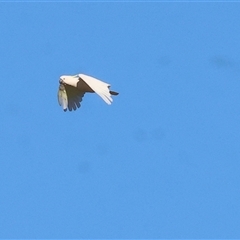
(72, 89)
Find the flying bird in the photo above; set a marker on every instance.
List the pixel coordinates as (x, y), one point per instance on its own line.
(72, 89)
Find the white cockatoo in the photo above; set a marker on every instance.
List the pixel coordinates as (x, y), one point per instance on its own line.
(72, 89)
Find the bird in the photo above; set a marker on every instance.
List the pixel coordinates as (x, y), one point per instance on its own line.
(73, 87)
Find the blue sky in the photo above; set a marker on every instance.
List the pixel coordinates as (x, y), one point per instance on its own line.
(162, 161)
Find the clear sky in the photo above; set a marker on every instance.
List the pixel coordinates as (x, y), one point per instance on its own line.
(163, 161)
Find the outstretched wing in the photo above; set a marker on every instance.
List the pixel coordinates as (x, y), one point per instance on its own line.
(62, 97)
(99, 87)
(74, 97)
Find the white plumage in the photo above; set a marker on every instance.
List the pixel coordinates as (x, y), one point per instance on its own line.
(72, 89)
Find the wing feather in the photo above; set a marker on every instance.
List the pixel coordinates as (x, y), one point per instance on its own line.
(74, 97)
(99, 87)
(62, 97)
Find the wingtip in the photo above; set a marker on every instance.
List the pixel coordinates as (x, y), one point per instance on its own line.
(114, 93)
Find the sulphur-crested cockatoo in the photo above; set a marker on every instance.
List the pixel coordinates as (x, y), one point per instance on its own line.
(72, 89)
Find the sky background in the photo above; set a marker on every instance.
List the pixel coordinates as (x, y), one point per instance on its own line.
(163, 161)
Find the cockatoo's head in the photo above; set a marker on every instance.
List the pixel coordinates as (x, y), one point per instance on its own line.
(66, 79)
(62, 78)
